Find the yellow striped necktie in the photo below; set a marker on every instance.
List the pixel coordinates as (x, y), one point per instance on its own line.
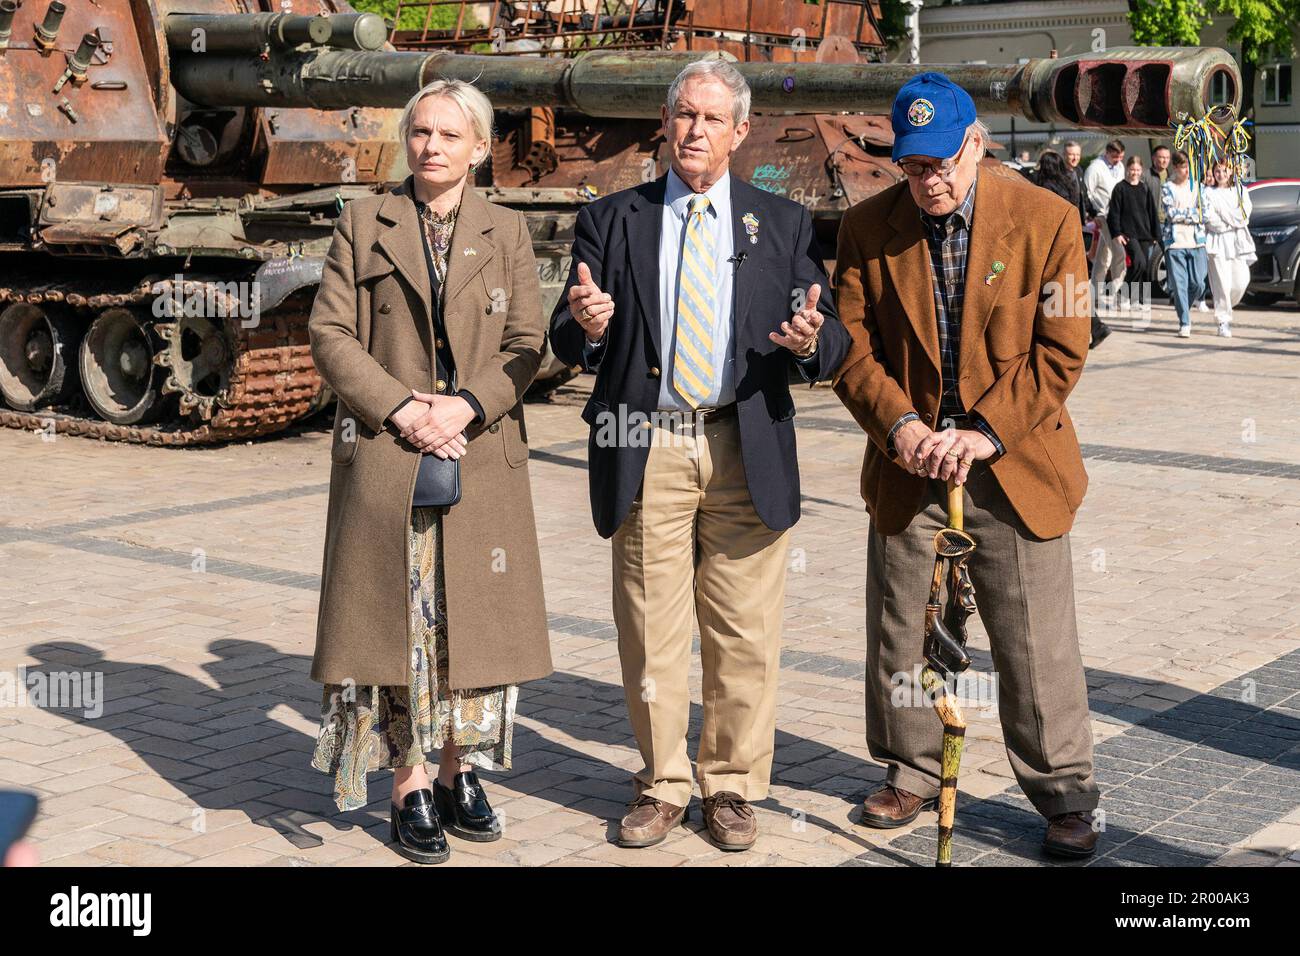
(696, 313)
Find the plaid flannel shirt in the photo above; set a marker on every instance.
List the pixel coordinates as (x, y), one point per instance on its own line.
(948, 239)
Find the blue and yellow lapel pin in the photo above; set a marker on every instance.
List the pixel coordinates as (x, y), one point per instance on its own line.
(751, 226)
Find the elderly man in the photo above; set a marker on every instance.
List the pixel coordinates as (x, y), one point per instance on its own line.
(695, 297)
(959, 288)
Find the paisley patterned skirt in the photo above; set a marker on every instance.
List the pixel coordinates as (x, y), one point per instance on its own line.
(375, 727)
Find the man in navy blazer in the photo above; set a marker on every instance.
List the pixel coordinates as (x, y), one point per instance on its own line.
(696, 299)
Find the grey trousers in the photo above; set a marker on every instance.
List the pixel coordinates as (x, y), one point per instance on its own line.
(1024, 589)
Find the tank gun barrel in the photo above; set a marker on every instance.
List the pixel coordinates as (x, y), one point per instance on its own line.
(1126, 89)
(254, 32)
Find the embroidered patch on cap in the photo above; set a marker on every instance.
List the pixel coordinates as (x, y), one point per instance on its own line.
(920, 112)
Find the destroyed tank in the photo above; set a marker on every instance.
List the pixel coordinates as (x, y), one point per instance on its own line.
(170, 174)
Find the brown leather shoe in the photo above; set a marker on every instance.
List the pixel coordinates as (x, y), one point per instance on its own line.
(1071, 834)
(648, 821)
(731, 821)
(892, 807)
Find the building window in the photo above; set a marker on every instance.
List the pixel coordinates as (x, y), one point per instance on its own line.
(1219, 88)
(1277, 84)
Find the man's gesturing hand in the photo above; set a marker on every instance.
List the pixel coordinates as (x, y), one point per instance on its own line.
(592, 308)
(800, 333)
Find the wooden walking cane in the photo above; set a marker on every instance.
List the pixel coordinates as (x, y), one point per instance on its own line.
(945, 654)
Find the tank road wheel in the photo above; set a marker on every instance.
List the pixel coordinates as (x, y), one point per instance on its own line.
(117, 369)
(36, 350)
(200, 359)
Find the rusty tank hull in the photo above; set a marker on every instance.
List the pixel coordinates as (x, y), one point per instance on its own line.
(170, 174)
(158, 258)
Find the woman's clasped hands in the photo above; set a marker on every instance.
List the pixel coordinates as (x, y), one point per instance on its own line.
(436, 423)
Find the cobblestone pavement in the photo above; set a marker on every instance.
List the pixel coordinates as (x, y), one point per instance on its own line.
(188, 579)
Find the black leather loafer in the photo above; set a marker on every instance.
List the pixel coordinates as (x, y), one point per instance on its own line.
(465, 809)
(416, 831)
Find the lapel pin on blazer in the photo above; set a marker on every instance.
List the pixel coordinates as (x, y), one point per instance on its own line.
(471, 251)
(751, 226)
(998, 268)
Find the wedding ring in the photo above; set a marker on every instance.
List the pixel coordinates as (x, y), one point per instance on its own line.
(952, 454)
(967, 462)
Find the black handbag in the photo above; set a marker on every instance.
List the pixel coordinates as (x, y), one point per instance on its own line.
(437, 482)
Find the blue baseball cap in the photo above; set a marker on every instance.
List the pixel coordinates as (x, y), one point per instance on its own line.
(930, 117)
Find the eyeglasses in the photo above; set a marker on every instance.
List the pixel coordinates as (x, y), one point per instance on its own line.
(945, 169)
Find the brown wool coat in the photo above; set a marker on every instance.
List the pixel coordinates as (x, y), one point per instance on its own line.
(1021, 350)
(372, 340)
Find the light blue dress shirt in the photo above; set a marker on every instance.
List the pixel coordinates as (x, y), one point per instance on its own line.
(672, 235)
(718, 225)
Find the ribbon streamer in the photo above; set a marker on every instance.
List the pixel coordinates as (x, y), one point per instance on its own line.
(1218, 136)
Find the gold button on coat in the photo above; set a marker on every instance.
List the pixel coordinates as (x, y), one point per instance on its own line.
(494, 427)
(439, 385)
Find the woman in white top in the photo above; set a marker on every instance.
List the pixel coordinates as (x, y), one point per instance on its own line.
(1228, 242)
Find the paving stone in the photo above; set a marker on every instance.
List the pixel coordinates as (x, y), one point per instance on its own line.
(1190, 632)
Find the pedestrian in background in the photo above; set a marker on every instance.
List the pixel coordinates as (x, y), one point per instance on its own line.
(1055, 174)
(1133, 222)
(1156, 177)
(1074, 160)
(1184, 239)
(1228, 243)
(1099, 180)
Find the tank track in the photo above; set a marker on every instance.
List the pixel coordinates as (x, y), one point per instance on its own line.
(273, 381)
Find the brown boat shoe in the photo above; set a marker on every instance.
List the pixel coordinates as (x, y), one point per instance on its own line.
(1071, 835)
(892, 807)
(731, 821)
(648, 821)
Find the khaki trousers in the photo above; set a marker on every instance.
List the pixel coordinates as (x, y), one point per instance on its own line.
(692, 541)
(1024, 590)
(1108, 264)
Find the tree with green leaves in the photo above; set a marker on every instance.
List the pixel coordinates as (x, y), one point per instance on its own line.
(442, 18)
(893, 22)
(1262, 29)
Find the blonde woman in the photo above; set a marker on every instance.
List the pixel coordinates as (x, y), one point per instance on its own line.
(1228, 242)
(428, 326)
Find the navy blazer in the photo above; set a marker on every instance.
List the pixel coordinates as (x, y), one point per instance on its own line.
(618, 238)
